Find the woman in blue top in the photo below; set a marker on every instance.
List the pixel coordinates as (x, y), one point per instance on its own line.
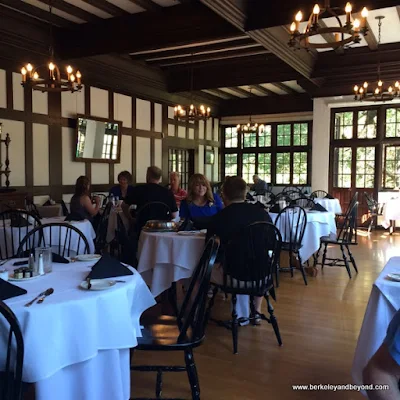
(200, 201)
(124, 188)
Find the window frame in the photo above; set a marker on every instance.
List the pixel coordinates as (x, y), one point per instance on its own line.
(273, 149)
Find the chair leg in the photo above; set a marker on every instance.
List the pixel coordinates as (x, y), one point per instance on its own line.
(346, 263)
(235, 324)
(324, 255)
(192, 374)
(277, 275)
(211, 303)
(159, 385)
(273, 320)
(353, 261)
(290, 263)
(316, 255)
(302, 269)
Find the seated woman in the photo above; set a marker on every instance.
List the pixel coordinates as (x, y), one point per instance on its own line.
(179, 193)
(81, 204)
(200, 201)
(124, 188)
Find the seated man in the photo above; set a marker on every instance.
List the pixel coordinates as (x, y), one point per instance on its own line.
(234, 217)
(150, 192)
(384, 366)
(260, 186)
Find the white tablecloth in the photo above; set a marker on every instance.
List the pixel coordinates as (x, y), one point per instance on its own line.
(318, 224)
(167, 257)
(77, 342)
(382, 305)
(331, 205)
(391, 212)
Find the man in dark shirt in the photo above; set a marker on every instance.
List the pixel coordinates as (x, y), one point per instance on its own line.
(234, 217)
(152, 191)
(260, 186)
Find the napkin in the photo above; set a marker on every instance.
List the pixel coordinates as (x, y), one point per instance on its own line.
(328, 196)
(47, 203)
(249, 197)
(108, 267)
(8, 290)
(74, 217)
(18, 221)
(318, 207)
(275, 209)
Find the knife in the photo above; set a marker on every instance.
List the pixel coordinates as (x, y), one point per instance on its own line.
(48, 292)
(39, 295)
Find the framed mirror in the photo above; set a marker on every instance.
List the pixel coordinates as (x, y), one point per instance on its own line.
(98, 140)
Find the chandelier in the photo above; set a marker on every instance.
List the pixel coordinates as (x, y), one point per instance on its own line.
(191, 112)
(342, 34)
(250, 127)
(47, 77)
(381, 92)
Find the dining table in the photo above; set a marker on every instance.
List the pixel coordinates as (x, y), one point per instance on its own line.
(391, 213)
(383, 303)
(77, 342)
(331, 205)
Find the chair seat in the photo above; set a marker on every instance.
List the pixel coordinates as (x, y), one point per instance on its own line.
(330, 240)
(161, 333)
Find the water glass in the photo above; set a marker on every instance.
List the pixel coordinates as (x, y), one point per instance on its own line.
(47, 258)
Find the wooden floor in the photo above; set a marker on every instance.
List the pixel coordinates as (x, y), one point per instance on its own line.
(319, 325)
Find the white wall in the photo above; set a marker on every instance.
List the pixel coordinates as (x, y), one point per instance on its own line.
(3, 93)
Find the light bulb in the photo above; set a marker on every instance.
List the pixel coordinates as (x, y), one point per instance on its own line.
(364, 12)
(365, 84)
(299, 16)
(256, 125)
(72, 78)
(380, 83)
(179, 108)
(356, 24)
(29, 67)
(356, 88)
(51, 66)
(69, 70)
(397, 84)
(248, 124)
(35, 75)
(191, 106)
(361, 90)
(176, 109)
(348, 8)
(78, 75)
(237, 126)
(390, 89)
(23, 71)
(316, 9)
(293, 27)
(376, 91)
(208, 109)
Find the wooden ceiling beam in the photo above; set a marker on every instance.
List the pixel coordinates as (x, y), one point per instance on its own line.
(223, 55)
(107, 7)
(241, 92)
(220, 94)
(283, 87)
(169, 27)
(73, 10)
(188, 51)
(147, 5)
(263, 105)
(264, 90)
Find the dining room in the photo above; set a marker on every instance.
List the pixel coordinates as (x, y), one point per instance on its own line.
(208, 187)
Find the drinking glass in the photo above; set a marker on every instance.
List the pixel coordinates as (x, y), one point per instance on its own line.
(47, 258)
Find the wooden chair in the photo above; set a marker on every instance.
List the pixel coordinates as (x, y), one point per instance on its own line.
(184, 332)
(11, 372)
(249, 261)
(100, 242)
(318, 194)
(303, 202)
(64, 208)
(65, 240)
(375, 209)
(14, 226)
(291, 222)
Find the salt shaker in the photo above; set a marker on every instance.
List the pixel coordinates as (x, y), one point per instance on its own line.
(40, 265)
(31, 263)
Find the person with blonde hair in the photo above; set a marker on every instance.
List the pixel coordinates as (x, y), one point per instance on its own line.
(179, 193)
(200, 201)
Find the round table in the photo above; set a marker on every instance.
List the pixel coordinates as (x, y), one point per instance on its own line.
(77, 342)
(167, 257)
(331, 205)
(391, 212)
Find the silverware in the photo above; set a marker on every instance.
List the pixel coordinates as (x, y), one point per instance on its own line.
(48, 292)
(32, 301)
(3, 262)
(112, 282)
(89, 285)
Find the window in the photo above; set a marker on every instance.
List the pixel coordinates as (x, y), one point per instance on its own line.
(365, 167)
(342, 168)
(264, 136)
(231, 137)
(179, 160)
(391, 170)
(249, 167)
(300, 168)
(283, 135)
(392, 127)
(344, 125)
(366, 124)
(264, 166)
(283, 168)
(231, 167)
(249, 139)
(300, 134)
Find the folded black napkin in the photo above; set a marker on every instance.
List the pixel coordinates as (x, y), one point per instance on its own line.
(74, 217)
(47, 203)
(108, 267)
(275, 209)
(318, 207)
(18, 221)
(8, 290)
(249, 197)
(328, 196)
(186, 225)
